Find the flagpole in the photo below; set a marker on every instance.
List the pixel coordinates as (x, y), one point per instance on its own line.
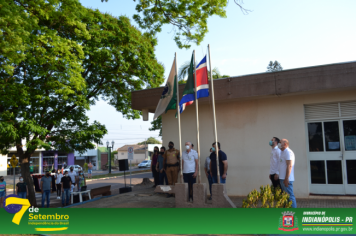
(197, 116)
(214, 116)
(178, 112)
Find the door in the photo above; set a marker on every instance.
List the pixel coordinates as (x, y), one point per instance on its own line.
(349, 155)
(325, 158)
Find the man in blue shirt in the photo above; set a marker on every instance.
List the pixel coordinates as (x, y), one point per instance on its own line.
(222, 164)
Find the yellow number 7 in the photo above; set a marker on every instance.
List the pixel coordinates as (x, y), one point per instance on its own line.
(18, 201)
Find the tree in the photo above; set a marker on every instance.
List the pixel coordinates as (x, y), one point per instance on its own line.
(157, 125)
(150, 140)
(188, 17)
(57, 58)
(274, 66)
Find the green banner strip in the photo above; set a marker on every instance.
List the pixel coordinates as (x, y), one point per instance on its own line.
(180, 221)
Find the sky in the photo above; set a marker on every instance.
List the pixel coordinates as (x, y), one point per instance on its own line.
(295, 33)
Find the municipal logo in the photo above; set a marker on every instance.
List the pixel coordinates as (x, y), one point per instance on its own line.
(288, 222)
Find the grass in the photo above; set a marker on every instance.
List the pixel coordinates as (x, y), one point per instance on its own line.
(9, 186)
(118, 174)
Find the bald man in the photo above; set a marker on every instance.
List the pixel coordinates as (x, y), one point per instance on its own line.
(286, 170)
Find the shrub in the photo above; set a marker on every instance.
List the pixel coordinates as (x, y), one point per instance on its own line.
(85, 167)
(268, 197)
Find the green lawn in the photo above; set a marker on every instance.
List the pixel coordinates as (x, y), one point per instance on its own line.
(119, 174)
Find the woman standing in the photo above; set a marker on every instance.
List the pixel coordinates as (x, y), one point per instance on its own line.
(81, 181)
(21, 189)
(58, 178)
(155, 173)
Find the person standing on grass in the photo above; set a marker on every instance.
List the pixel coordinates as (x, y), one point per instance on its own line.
(90, 169)
(160, 169)
(2, 191)
(155, 173)
(66, 183)
(21, 189)
(286, 170)
(58, 178)
(46, 187)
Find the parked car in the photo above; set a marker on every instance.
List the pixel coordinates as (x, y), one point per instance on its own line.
(143, 164)
(76, 168)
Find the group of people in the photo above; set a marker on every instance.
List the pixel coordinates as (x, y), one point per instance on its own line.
(165, 166)
(282, 160)
(65, 184)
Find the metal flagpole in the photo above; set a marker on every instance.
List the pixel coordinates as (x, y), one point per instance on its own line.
(178, 112)
(214, 116)
(196, 112)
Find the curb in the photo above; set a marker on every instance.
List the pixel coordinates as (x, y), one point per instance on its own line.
(92, 200)
(88, 180)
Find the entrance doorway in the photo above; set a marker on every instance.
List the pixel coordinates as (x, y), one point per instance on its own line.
(332, 152)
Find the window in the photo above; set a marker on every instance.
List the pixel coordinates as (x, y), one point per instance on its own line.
(332, 138)
(315, 134)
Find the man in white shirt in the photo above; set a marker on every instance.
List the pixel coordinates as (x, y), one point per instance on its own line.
(190, 167)
(73, 175)
(274, 162)
(286, 170)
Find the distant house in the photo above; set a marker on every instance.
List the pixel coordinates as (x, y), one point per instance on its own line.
(141, 152)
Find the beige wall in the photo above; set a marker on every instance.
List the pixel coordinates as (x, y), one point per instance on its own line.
(244, 130)
(138, 157)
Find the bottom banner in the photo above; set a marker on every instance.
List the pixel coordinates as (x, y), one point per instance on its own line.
(19, 218)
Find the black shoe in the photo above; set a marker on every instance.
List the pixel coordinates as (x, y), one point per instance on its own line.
(210, 198)
(63, 205)
(169, 195)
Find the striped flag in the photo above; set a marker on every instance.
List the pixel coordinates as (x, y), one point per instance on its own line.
(202, 79)
(202, 84)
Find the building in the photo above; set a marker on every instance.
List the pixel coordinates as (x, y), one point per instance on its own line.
(313, 107)
(41, 161)
(141, 152)
(86, 157)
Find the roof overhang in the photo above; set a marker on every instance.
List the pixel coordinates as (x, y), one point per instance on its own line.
(316, 79)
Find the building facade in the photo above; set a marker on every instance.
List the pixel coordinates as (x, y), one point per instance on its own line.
(314, 108)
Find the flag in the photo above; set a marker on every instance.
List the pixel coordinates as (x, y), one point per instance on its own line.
(202, 79)
(169, 95)
(188, 93)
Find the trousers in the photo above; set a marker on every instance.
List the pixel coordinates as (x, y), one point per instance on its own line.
(172, 174)
(289, 190)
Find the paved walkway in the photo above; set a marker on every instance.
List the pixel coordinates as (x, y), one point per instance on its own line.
(144, 197)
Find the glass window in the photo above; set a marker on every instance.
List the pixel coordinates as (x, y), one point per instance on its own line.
(350, 134)
(317, 169)
(315, 134)
(334, 170)
(351, 171)
(332, 137)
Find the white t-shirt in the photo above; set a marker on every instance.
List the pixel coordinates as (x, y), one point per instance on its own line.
(189, 161)
(72, 176)
(58, 178)
(274, 161)
(286, 155)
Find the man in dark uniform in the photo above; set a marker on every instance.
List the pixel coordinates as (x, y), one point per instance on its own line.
(171, 160)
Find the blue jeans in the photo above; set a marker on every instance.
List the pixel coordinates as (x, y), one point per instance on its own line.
(66, 193)
(289, 190)
(22, 194)
(45, 194)
(210, 179)
(162, 178)
(215, 180)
